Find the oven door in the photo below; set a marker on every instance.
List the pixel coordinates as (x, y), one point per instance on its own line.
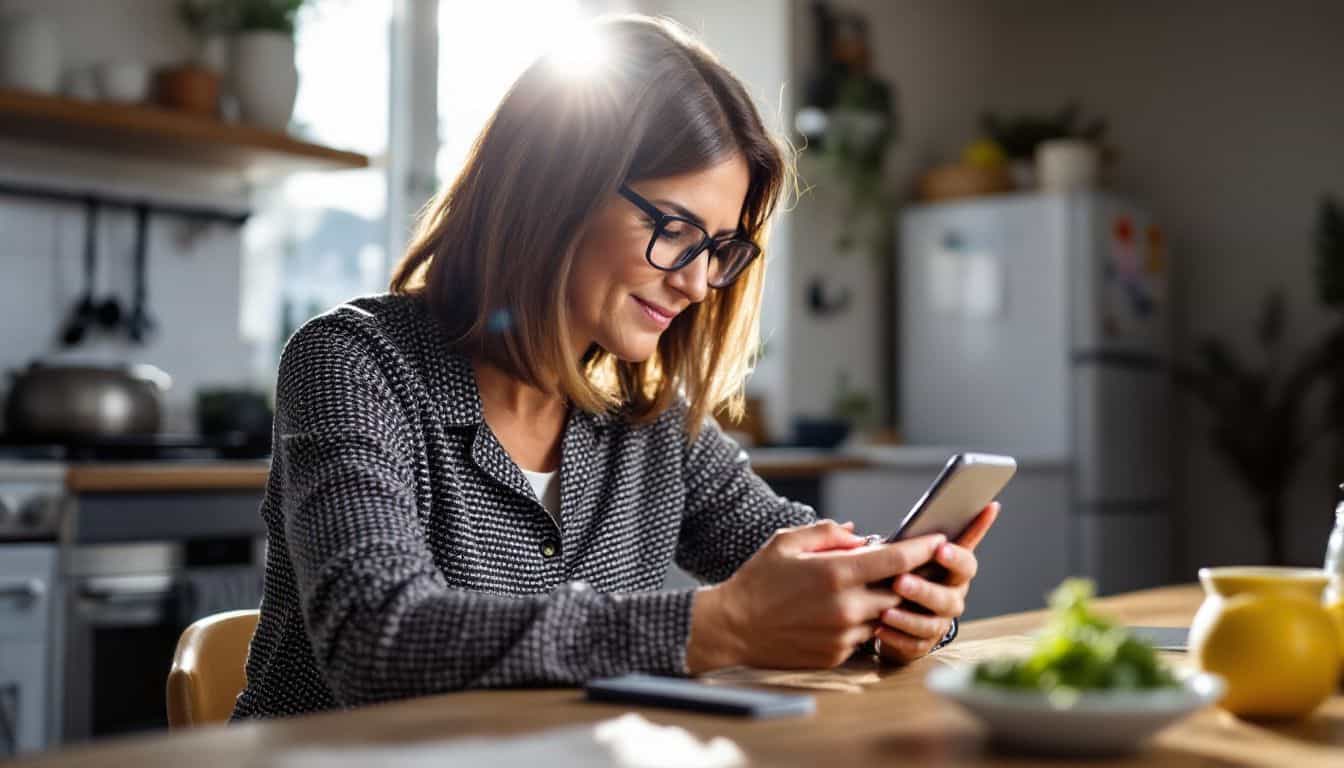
(121, 634)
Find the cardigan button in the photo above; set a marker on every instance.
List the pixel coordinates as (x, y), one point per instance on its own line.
(550, 548)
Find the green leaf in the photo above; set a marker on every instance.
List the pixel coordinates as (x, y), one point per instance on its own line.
(1078, 650)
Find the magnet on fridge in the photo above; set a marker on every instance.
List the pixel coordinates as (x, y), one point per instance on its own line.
(1155, 262)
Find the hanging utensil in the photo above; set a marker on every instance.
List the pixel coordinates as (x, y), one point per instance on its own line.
(140, 325)
(110, 313)
(85, 311)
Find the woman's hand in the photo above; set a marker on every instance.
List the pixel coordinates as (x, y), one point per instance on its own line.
(905, 635)
(802, 601)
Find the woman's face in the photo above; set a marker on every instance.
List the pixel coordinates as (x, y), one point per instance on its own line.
(618, 300)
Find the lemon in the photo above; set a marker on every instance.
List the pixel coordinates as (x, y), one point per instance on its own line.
(1279, 653)
(983, 153)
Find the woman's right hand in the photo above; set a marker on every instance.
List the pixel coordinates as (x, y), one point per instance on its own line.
(802, 601)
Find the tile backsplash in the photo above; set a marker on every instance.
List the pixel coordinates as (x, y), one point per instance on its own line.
(193, 291)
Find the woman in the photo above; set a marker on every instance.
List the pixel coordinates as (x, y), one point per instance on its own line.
(481, 478)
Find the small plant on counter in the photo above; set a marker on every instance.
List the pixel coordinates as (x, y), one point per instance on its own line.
(1019, 135)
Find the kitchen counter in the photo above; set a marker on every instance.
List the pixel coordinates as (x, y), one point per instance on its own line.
(788, 463)
(780, 463)
(866, 715)
(117, 477)
(156, 477)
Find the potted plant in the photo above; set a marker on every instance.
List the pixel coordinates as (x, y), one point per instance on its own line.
(263, 75)
(194, 85)
(1021, 135)
(1259, 411)
(211, 22)
(1258, 425)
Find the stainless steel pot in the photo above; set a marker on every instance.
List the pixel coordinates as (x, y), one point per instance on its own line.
(65, 402)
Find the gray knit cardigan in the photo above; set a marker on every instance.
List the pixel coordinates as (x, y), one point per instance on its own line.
(408, 555)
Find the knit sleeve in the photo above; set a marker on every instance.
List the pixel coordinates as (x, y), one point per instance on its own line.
(381, 617)
(730, 511)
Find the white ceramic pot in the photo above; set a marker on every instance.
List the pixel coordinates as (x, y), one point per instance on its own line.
(30, 54)
(264, 78)
(1066, 165)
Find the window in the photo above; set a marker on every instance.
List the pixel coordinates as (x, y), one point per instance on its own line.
(320, 238)
(483, 48)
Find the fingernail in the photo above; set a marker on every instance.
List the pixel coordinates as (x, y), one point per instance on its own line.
(945, 551)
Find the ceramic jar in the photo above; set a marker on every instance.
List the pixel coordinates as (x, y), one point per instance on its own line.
(1266, 631)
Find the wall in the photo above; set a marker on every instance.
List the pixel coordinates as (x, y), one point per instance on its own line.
(193, 290)
(929, 53)
(751, 38)
(195, 272)
(1227, 123)
(1227, 119)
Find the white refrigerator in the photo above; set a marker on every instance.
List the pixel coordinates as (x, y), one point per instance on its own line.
(1038, 326)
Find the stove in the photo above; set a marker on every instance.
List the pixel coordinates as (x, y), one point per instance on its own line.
(31, 494)
(134, 448)
(103, 584)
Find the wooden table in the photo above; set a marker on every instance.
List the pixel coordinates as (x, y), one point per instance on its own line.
(891, 720)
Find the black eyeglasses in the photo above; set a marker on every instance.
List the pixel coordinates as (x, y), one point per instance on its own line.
(678, 241)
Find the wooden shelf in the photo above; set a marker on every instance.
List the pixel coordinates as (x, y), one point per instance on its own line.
(164, 135)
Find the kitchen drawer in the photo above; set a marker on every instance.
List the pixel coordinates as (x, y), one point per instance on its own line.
(27, 574)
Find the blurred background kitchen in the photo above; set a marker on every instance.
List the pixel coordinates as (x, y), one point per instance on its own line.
(1099, 236)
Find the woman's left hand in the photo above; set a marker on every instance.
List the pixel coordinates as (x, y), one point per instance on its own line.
(905, 635)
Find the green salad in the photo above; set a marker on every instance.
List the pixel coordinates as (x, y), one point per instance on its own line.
(1079, 650)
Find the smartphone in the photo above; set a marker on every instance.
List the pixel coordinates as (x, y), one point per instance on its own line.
(967, 484)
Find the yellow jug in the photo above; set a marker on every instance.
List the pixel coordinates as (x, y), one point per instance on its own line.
(1267, 633)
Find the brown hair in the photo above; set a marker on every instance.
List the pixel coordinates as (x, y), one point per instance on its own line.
(493, 252)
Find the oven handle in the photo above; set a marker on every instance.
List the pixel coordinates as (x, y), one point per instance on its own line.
(124, 589)
(27, 590)
(124, 600)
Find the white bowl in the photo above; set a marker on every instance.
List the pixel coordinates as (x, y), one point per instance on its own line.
(1095, 723)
